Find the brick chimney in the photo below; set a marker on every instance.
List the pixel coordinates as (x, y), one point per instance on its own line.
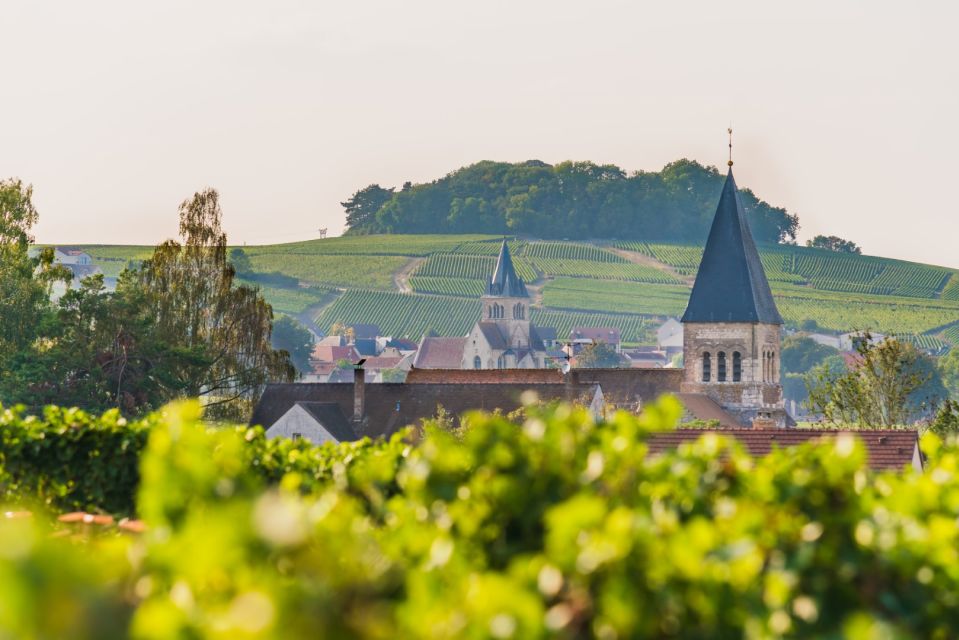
(572, 382)
(359, 393)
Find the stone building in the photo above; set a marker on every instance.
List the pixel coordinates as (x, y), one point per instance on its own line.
(731, 328)
(504, 338)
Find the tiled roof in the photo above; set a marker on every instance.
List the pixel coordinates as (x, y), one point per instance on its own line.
(382, 362)
(701, 407)
(609, 335)
(888, 449)
(485, 376)
(440, 353)
(731, 285)
(325, 353)
(391, 406)
(493, 335)
(330, 415)
(621, 386)
(365, 331)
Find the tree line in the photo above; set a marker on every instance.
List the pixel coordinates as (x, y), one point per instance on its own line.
(566, 200)
(177, 326)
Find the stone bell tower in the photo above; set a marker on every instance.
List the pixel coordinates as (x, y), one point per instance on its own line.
(732, 329)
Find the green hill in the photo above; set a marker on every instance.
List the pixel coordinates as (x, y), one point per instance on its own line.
(409, 284)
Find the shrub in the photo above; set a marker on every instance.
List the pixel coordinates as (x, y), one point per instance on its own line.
(556, 526)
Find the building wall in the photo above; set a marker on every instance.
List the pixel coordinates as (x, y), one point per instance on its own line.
(758, 392)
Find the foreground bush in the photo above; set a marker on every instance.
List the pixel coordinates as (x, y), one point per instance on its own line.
(556, 527)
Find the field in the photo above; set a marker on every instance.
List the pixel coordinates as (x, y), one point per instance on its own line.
(411, 284)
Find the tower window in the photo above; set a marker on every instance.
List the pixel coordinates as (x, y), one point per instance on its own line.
(477, 363)
(707, 366)
(737, 366)
(518, 311)
(721, 366)
(501, 363)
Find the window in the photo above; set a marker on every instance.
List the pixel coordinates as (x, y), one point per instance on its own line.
(297, 436)
(519, 312)
(501, 363)
(477, 363)
(737, 366)
(707, 367)
(721, 366)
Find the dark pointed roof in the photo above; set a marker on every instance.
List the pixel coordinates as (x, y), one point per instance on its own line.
(505, 283)
(731, 285)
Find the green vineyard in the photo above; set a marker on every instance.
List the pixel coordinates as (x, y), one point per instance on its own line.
(359, 278)
(448, 286)
(476, 267)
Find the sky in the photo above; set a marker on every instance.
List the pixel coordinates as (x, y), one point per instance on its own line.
(115, 111)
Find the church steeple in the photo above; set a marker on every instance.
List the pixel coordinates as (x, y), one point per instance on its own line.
(505, 283)
(731, 285)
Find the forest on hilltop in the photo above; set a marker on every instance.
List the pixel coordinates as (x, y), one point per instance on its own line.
(566, 200)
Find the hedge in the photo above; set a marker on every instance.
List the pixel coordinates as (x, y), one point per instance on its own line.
(550, 526)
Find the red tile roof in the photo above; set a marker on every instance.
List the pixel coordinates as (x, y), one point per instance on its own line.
(326, 353)
(609, 335)
(484, 376)
(440, 353)
(888, 449)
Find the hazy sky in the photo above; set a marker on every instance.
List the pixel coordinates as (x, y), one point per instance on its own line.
(846, 113)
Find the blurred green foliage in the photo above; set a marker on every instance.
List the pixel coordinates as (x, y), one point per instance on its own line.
(551, 525)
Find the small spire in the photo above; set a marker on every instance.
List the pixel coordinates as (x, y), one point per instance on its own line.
(730, 131)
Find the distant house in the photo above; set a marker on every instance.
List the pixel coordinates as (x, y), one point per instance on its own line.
(71, 255)
(439, 353)
(365, 331)
(825, 339)
(79, 262)
(366, 346)
(669, 336)
(646, 358)
(325, 359)
(318, 422)
(850, 341)
(582, 336)
(550, 338)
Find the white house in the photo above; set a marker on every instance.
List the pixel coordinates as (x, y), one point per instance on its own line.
(670, 334)
(318, 422)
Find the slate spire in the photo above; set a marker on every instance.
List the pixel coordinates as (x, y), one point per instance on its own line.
(731, 285)
(505, 283)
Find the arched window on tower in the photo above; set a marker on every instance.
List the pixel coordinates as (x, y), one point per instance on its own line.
(737, 366)
(721, 366)
(501, 363)
(707, 366)
(518, 311)
(477, 363)
(772, 366)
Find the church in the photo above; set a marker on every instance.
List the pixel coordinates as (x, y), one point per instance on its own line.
(731, 348)
(504, 338)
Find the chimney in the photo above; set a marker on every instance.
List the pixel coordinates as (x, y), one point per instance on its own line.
(359, 392)
(572, 382)
(763, 421)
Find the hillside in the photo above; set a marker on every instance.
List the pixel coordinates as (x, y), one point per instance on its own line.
(410, 284)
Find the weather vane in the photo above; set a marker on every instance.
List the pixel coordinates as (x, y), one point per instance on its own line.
(730, 130)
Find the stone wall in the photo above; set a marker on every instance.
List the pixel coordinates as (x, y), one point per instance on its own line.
(758, 392)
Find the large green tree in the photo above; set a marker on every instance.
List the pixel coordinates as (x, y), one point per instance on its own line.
(219, 331)
(25, 280)
(885, 384)
(292, 337)
(570, 199)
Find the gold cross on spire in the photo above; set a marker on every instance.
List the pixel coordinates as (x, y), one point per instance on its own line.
(730, 130)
